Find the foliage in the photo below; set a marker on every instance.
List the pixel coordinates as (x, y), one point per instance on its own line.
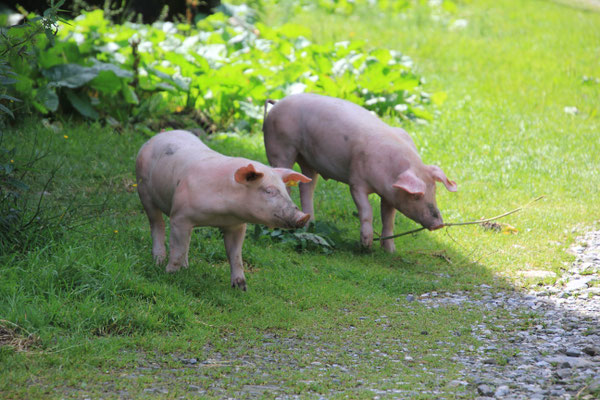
(26, 221)
(132, 73)
(319, 235)
(16, 43)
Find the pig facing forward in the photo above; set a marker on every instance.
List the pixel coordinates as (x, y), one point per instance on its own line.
(180, 176)
(345, 142)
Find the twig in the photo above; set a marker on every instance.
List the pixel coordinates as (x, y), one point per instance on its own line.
(60, 350)
(466, 223)
(577, 396)
(16, 326)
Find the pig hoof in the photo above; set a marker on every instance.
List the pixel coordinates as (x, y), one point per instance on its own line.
(365, 249)
(159, 259)
(389, 247)
(239, 283)
(172, 268)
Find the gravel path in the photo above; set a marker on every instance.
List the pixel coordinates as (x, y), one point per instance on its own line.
(542, 344)
(555, 354)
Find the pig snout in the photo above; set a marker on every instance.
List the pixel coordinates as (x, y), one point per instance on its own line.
(302, 220)
(293, 218)
(434, 228)
(434, 223)
(433, 219)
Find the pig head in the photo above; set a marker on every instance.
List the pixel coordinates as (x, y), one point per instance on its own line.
(345, 142)
(179, 176)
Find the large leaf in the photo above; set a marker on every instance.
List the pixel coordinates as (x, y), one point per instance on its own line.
(74, 75)
(82, 104)
(106, 82)
(129, 94)
(70, 75)
(49, 98)
(120, 72)
(6, 111)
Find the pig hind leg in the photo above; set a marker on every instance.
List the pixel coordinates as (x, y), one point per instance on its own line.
(280, 155)
(234, 239)
(307, 190)
(157, 226)
(179, 243)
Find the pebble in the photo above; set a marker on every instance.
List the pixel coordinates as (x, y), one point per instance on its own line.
(592, 350)
(502, 391)
(485, 390)
(572, 352)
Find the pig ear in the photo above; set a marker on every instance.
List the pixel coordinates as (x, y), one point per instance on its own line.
(438, 175)
(410, 183)
(247, 174)
(290, 176)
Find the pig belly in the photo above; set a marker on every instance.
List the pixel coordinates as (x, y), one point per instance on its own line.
(336, 168)
(327, 154)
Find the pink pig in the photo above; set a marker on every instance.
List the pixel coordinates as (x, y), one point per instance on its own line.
(345, 142)
(180, 176)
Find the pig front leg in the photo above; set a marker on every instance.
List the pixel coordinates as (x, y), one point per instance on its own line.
(365, 214)
(307, 190)
(179, 243)
(388, 213)
(234, 239)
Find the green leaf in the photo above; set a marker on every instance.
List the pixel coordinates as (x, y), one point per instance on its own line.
(7, 97)
(120, 72)
(70, 75)
(106, 82)
(82, 104)
(129, 94)
(49, 98)
(4, 80)
(6, 110)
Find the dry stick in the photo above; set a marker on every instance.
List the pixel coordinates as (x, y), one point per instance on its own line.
(465, 223)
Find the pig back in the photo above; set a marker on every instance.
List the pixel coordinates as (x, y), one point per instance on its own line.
(163, 162)
(330, 134)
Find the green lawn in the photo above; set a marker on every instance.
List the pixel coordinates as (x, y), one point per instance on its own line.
(108, 320)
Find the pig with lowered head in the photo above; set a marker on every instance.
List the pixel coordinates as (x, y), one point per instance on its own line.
(180, 176)
(345, 142)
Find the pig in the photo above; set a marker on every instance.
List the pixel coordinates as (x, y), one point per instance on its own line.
(181, 177)
(345, 142)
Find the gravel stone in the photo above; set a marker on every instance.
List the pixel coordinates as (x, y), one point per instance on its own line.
(485, 390)
(564, 373)
(592, 350)
(502, 391)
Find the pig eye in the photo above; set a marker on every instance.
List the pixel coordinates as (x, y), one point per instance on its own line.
(270, 190)
(417, 196)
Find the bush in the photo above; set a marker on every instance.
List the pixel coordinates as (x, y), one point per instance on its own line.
(223, 66)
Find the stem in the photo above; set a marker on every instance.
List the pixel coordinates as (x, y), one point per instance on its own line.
(466, 223)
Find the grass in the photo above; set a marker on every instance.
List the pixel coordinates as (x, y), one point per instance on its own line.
(109, 323)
